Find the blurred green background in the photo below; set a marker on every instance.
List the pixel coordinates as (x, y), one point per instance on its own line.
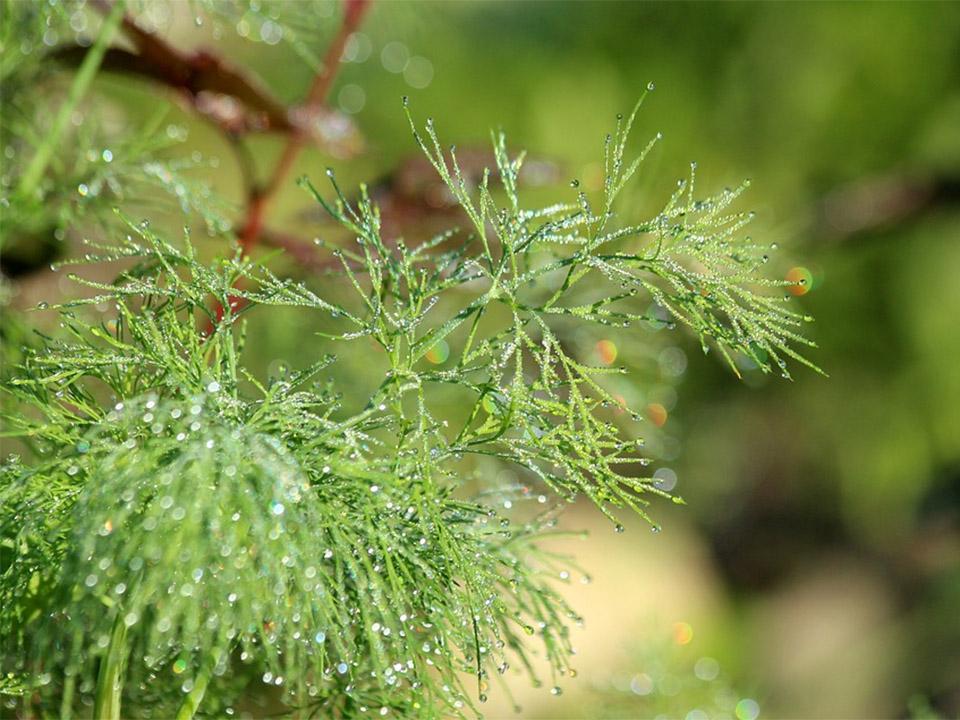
(815, 571)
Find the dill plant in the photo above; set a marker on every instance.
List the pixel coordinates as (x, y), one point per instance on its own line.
(185, 530)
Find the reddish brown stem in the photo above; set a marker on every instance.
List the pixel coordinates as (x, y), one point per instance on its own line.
(316, 98)
(260, 197)
(228, 96)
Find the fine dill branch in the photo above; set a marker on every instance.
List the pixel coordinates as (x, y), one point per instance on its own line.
(338, 555)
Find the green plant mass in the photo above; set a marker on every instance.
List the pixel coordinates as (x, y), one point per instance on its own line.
(186, 531)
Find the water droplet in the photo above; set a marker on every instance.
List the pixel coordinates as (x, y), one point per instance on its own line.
(618, 528)
(651, 86)
(213, 387)
(271, 32)
(556, 690)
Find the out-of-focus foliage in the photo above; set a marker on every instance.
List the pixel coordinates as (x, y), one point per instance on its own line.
(92, 165)
(671, 679)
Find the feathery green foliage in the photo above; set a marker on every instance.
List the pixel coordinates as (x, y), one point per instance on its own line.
(187, 527)
(185, 531)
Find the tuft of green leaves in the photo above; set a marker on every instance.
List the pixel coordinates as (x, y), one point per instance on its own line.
(187, 525)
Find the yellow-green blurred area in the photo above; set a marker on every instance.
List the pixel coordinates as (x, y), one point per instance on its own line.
(815, 570)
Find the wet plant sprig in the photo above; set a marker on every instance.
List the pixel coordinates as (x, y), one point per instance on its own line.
(187, 528)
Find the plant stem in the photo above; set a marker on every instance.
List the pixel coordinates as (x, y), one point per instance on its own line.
(259, 197)
(70, 679)
(66, 701)
(88, 69)
(110, 680)
(193, 699)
